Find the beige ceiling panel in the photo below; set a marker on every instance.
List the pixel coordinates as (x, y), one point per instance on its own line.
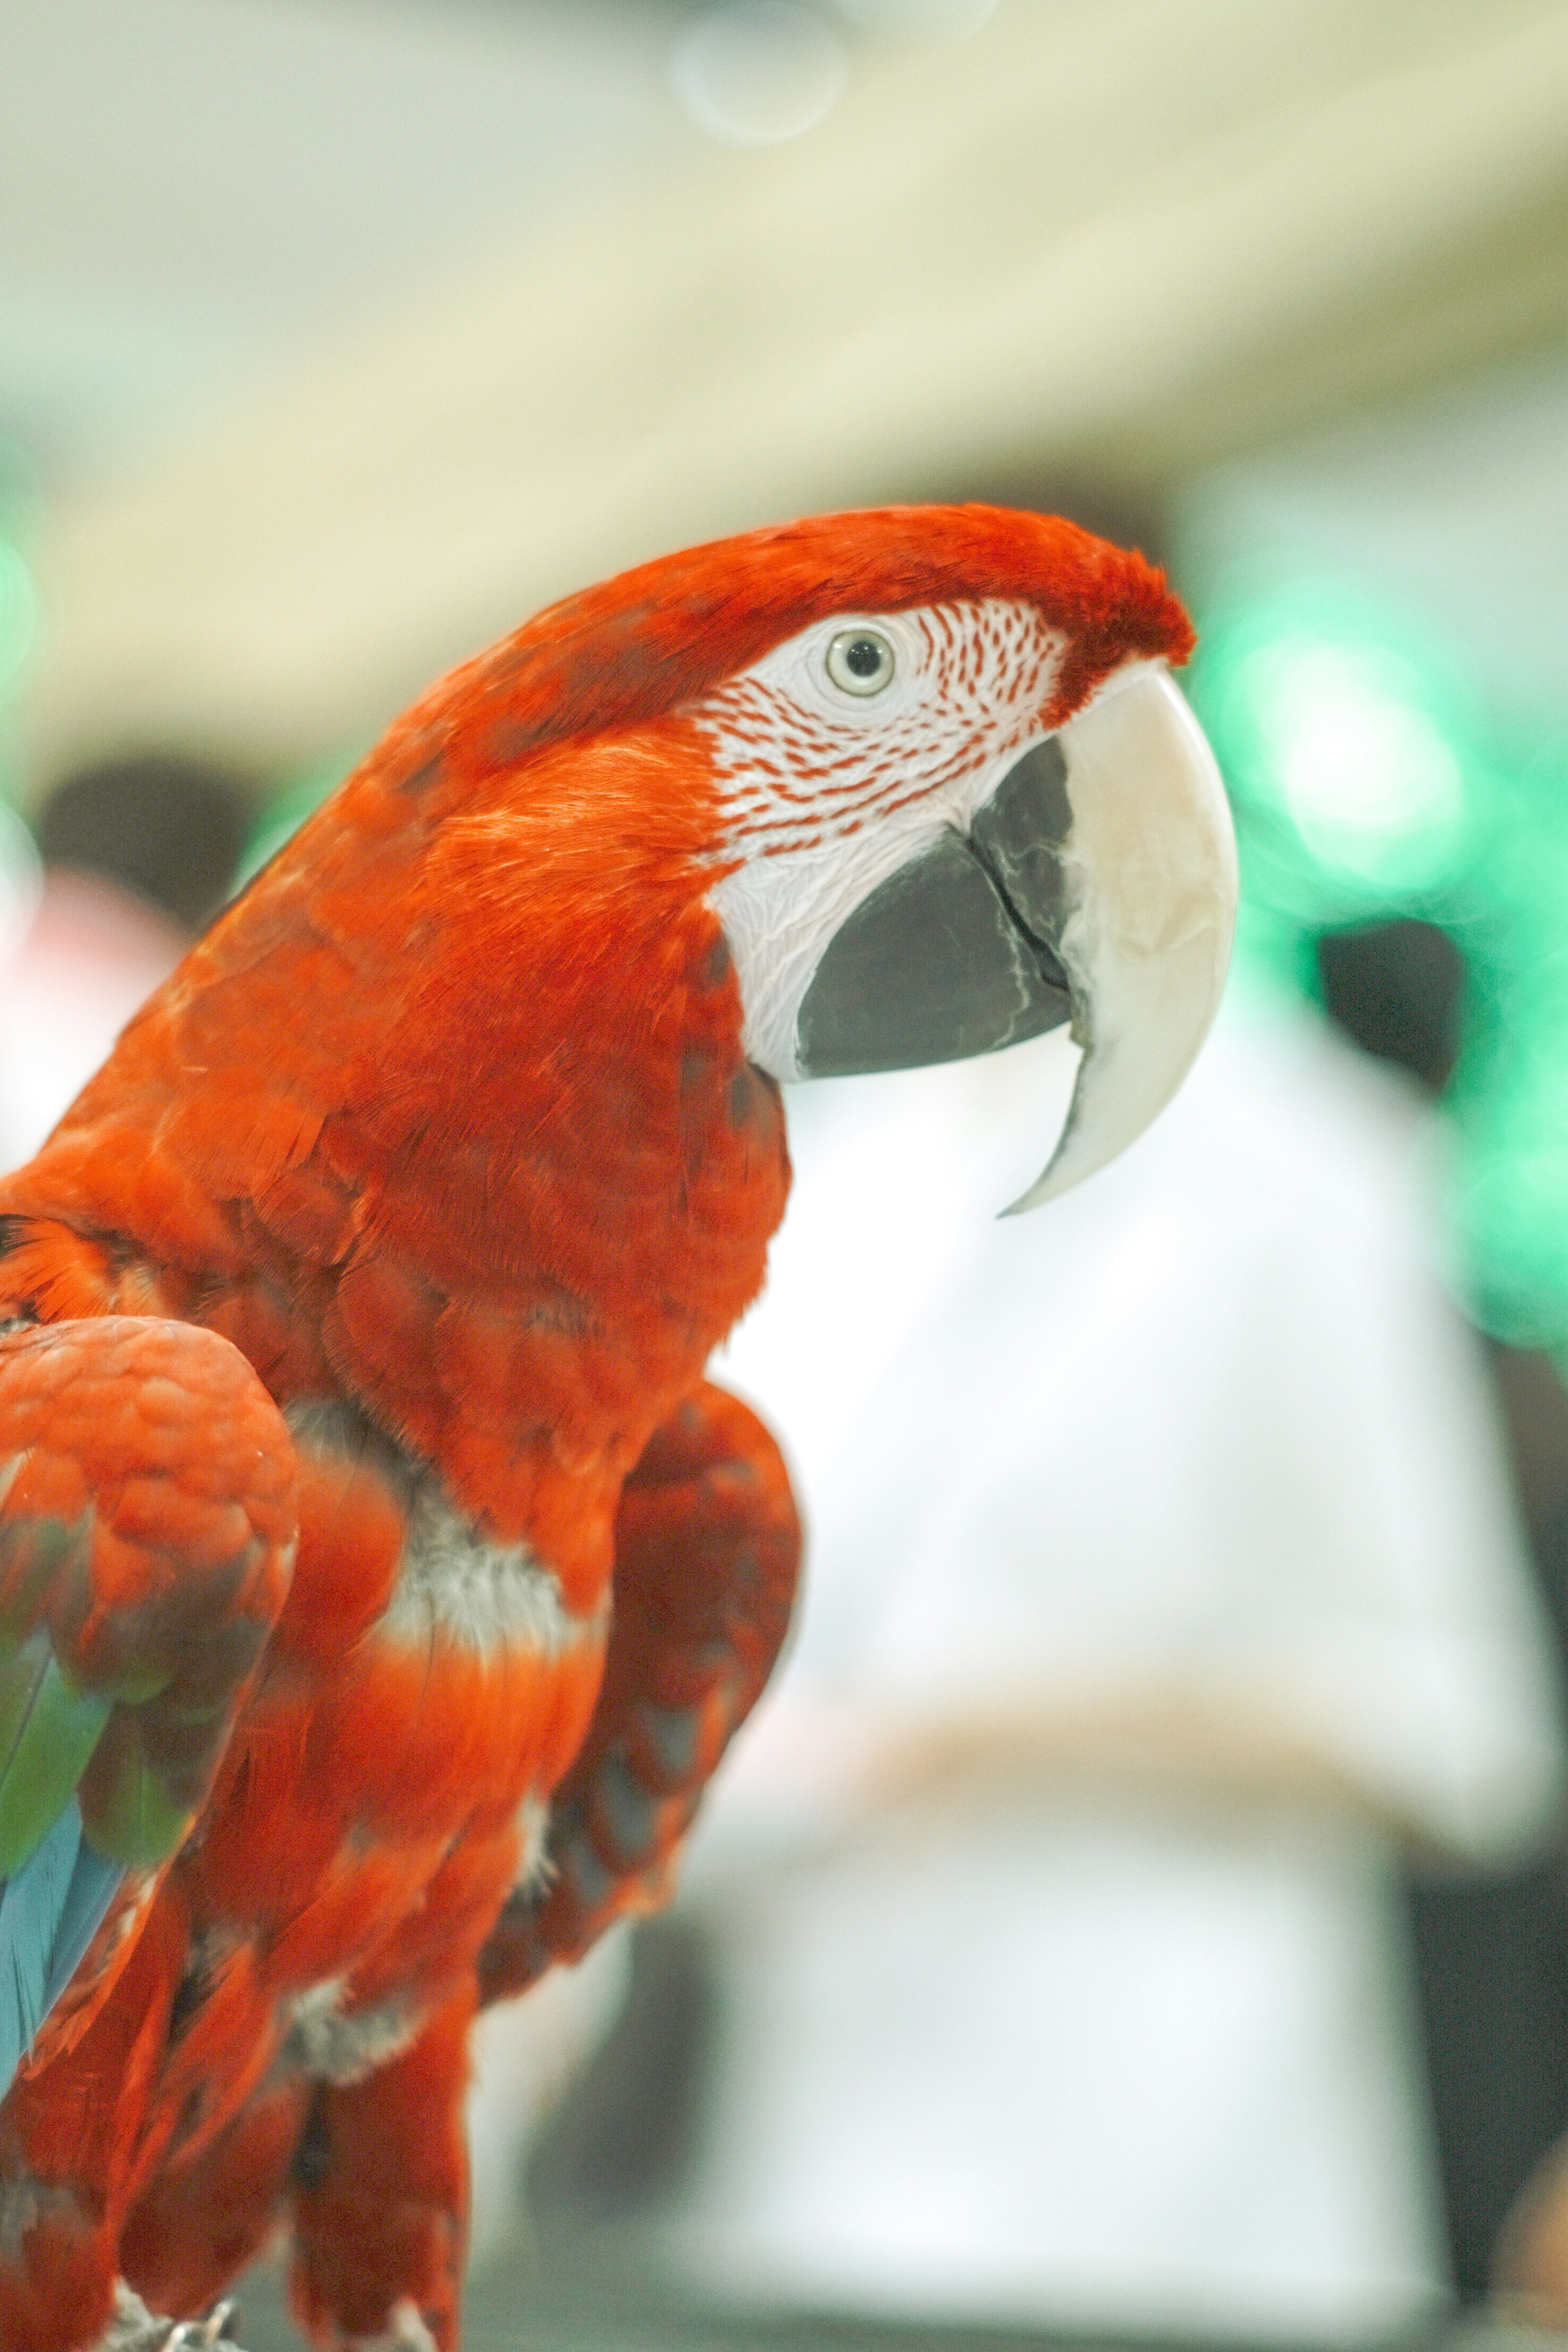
(1124, 235)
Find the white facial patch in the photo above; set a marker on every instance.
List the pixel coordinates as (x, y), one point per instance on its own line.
(828, 792)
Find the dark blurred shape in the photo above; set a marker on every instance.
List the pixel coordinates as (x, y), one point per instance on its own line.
(1491, 1973)
(1492, 1958)
(1535, 1425)
(1491, 1948)
(1395, 989)
(620, 2141)
(165, 825)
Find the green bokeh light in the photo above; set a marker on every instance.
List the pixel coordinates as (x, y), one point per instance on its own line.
(1349, 751)
(1369, 783)
(20, 610)
(18, 614)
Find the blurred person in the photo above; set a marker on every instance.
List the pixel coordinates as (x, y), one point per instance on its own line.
(1052, 1907)
(166, 826)
(137, 853)
(1489, 1942)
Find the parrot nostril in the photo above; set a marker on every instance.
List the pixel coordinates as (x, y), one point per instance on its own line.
(972, 972)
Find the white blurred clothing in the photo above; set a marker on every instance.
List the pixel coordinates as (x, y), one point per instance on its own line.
(92, 954)
(1208, 1431)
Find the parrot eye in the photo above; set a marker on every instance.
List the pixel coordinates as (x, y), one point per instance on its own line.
(861, 661)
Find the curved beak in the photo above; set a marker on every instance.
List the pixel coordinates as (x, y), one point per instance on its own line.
(1146, 913)
(1097, 884)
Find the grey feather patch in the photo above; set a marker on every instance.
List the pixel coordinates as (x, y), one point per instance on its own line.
(341, 2047)
(488, 1596)
(586, 1875)
(673, 1732)
(627, 1810)
(452, 1579)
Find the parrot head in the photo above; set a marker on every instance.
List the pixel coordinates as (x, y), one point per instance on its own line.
(928, 768)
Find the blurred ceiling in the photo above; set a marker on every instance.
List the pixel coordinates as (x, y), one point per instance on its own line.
(192, 190)
(504, 322)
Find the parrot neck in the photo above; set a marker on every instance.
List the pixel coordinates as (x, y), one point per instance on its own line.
(562, 1219)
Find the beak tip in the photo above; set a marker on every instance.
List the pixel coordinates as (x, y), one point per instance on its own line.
(1147, 956)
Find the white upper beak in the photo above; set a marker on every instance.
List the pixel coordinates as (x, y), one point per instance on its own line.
(1148, 865)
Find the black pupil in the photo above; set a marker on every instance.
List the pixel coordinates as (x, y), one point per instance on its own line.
(863, 656)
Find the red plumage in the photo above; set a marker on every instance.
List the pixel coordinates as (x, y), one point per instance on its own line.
(448, 1127)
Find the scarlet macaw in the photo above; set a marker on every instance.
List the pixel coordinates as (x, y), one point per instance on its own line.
(380, 1579)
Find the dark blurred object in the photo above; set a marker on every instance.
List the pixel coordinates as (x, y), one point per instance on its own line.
(1490, 1950)
(165, 825)
(1395, 990)
(1517, 1934)
(1535, 1424)
(1492, 1971)
(620, 2143)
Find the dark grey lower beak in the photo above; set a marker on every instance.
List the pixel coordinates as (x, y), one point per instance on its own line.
(964, 931)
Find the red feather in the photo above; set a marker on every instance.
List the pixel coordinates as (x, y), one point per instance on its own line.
(447, 1126)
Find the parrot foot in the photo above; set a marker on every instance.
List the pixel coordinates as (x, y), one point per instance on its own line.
(200, 2335)
(134, 2328)
(405, 2332)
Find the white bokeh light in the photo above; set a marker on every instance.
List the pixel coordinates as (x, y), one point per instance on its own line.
(928, 19)
(759, 71)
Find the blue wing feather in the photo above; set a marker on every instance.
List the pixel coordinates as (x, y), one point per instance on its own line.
(93, 1884)
(49, 1909)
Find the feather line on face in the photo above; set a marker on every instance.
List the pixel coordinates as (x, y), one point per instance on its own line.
(798, 761)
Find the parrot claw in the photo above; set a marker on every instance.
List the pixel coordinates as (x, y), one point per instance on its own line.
(200, 2335)
(134, 2328)
(405, 2332)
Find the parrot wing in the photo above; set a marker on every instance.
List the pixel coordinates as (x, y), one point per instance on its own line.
(147, 1531)
(707, 1554)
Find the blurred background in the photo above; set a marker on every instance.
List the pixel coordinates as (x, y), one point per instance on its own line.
(1140, 1913)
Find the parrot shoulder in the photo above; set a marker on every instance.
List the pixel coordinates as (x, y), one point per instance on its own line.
(147, 1536)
